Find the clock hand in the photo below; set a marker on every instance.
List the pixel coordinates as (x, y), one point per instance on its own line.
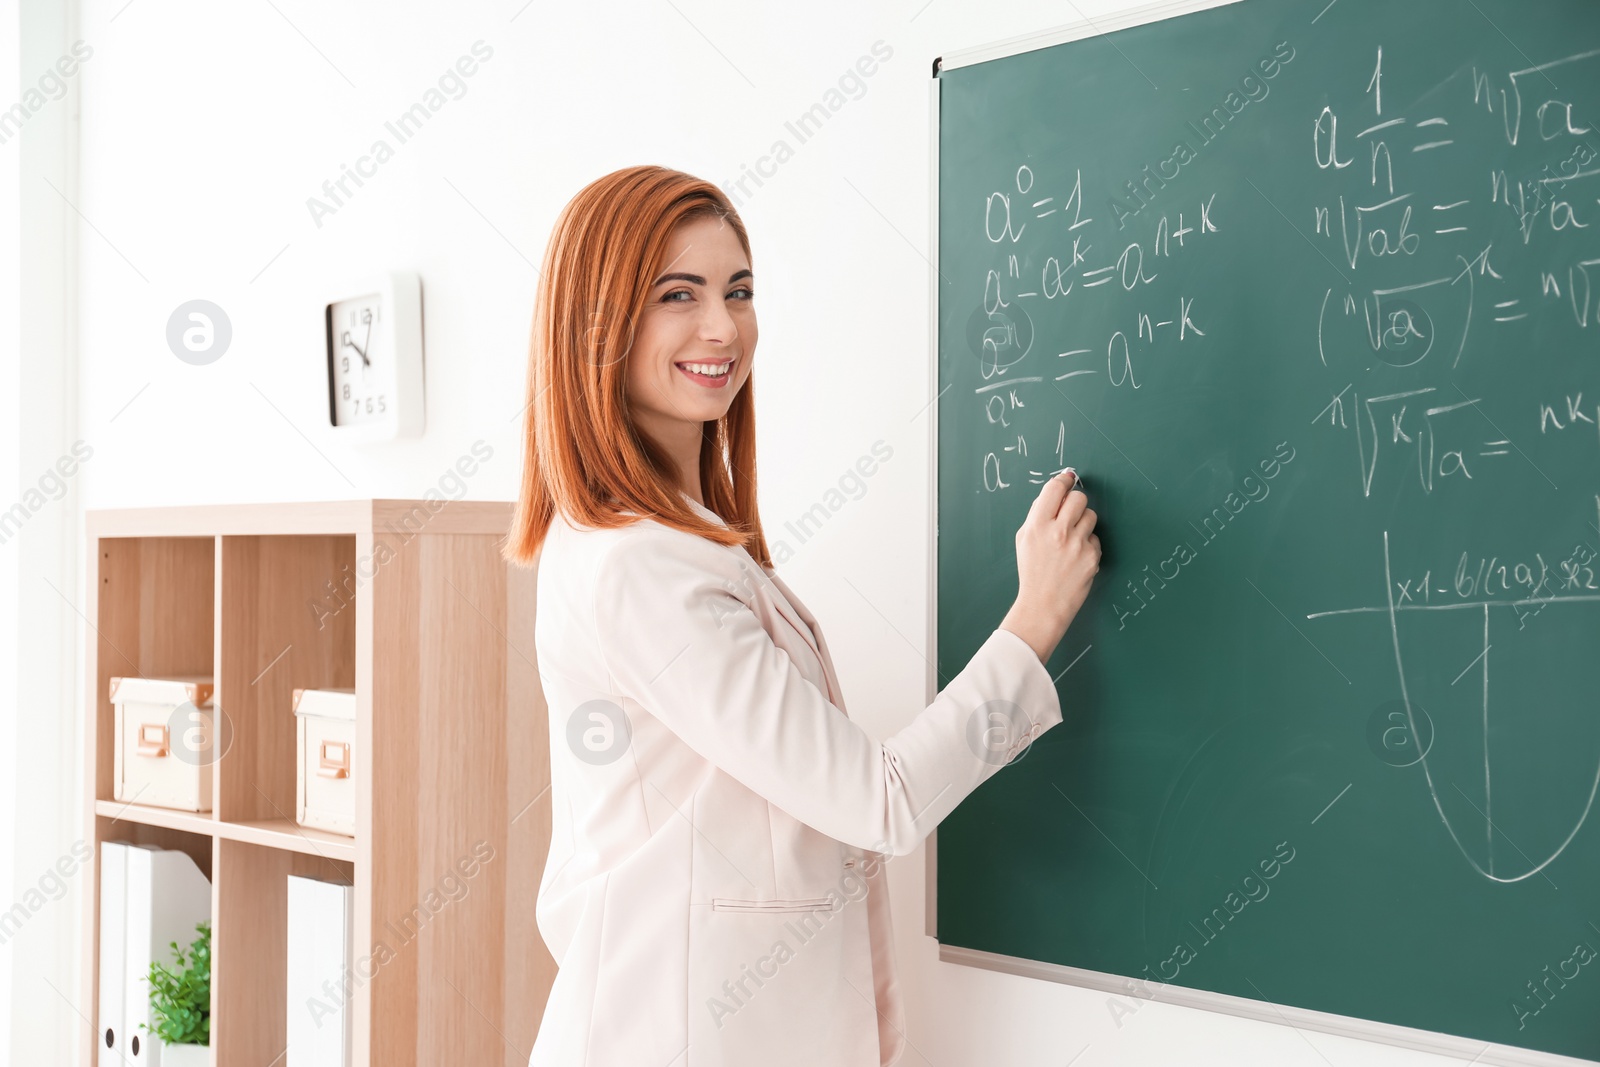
(351, 344)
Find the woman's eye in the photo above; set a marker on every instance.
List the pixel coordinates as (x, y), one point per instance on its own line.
(742, 293)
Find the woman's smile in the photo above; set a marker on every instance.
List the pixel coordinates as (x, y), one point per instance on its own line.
(712, 375)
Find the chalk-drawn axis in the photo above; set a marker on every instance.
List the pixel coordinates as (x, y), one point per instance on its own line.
(1392, 610)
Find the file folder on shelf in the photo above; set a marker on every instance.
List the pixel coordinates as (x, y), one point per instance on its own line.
(150, 897)
(320, 978)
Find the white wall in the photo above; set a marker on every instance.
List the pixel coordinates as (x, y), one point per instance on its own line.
(40, 556)
(206, 127)
(10, 483)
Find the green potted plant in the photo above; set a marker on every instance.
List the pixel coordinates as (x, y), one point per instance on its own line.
(180, 1000)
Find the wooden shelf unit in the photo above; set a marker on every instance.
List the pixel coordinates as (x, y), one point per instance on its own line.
(409, 602)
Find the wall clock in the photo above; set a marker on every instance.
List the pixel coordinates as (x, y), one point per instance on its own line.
(373, 341)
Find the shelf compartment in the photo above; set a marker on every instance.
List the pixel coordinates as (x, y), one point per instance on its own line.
(154, 615)
(249, 951)
(286, 619)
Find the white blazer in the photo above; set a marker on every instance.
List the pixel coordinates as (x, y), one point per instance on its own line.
(714, 894)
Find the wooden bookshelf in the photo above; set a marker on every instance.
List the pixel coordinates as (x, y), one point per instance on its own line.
(409, 602)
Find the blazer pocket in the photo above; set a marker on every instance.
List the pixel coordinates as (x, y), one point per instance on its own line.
(809, 904)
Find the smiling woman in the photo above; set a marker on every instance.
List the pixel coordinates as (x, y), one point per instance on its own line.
(707, 786)
(646, 268)
(696, 337)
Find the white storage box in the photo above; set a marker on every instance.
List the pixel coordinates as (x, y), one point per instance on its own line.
(325, 729)
(164, 735)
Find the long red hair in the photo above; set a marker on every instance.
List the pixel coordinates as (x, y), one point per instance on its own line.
(582, 454)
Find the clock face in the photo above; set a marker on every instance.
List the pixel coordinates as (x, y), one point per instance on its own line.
(372, 357)
(360, 372)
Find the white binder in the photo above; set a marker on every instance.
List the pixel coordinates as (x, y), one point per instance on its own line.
(149, 897)
(110, 1040)
(320, 983)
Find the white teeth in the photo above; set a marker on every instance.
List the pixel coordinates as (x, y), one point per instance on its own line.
(710, 370)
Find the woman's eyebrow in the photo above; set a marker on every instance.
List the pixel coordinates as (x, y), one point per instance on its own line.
(698, 280)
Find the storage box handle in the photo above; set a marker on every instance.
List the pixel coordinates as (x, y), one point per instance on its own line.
(153, 739)
(331, 766)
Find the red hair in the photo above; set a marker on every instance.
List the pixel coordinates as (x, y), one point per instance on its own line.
(582, 453)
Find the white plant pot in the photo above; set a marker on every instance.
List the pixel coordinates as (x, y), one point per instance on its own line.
(186, 1056)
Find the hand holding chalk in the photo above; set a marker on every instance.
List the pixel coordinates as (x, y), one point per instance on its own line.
(1058, 555)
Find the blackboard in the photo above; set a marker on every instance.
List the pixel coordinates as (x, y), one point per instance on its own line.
(1310, 294)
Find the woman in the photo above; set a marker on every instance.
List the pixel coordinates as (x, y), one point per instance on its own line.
(714, 893)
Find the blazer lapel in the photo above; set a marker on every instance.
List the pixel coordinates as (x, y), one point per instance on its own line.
(791, 609)
(802, 620)
(789, 606)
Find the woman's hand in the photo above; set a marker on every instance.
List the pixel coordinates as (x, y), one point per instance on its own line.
(1058, 555)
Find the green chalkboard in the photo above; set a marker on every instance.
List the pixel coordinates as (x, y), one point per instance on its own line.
(1308, 293)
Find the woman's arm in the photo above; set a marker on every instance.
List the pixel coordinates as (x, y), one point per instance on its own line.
(678, 636)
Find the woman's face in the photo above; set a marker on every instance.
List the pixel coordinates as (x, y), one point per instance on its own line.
(696, 335)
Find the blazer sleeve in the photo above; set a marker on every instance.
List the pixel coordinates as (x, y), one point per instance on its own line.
(678, 635)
